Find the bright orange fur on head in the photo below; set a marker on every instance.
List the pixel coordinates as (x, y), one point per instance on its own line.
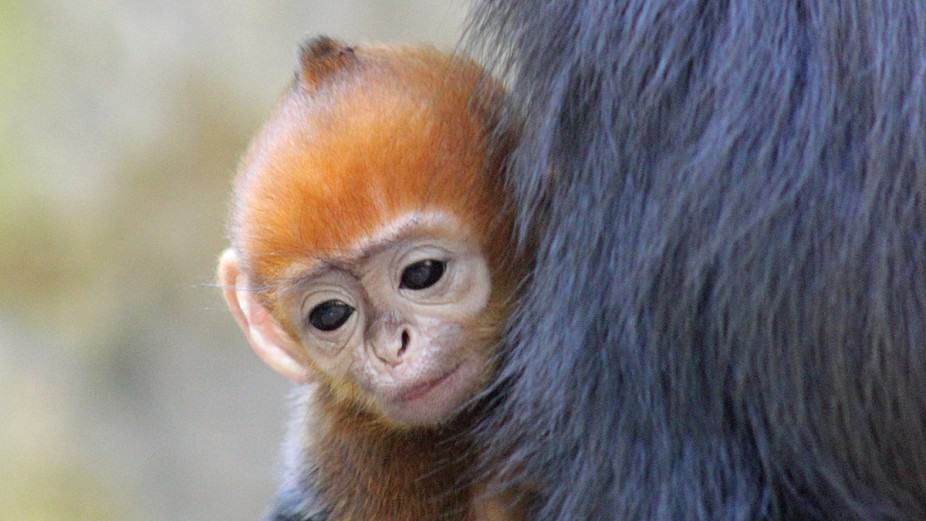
(364, 136)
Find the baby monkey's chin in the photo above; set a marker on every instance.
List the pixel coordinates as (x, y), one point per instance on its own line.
(430, 403)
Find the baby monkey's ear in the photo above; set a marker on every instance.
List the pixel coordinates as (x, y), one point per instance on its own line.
(320, 57)
(267, 338)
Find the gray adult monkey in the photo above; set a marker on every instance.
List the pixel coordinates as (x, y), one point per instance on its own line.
(727, 315)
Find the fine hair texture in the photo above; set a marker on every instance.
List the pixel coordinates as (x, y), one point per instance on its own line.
(726, 318)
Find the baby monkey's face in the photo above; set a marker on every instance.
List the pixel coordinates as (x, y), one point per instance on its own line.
(399, 323)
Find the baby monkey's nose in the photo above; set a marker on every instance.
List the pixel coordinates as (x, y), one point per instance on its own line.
(392, 346)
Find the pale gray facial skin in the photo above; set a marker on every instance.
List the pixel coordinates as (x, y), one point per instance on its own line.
(394, 315)
(392, 319)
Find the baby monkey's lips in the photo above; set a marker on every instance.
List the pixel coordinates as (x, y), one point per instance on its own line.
(419, 390)
(432, 400)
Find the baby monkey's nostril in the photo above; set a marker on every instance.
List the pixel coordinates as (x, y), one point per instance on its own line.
(405, 340)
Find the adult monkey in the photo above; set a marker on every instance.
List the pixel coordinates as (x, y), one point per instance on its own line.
(727, 319)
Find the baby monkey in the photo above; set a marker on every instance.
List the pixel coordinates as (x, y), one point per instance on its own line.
(371, 257)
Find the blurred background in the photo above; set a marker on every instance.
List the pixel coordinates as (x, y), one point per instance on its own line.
(126, 390)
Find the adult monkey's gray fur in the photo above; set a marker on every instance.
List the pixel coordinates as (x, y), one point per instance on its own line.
(727, 315)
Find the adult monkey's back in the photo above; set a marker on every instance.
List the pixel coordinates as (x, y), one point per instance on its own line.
(727, 319)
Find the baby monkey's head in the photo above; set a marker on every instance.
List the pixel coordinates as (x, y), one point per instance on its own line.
(371, 248)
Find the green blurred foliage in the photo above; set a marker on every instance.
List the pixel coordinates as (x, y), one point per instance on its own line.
(126, 392)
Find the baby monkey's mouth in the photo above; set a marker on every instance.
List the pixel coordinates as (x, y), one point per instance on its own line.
(419, 390)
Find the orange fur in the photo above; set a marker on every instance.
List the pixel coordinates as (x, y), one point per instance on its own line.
(373, 473)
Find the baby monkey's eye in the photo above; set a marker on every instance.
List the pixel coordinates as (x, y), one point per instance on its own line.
(422, 274)
(330, 315)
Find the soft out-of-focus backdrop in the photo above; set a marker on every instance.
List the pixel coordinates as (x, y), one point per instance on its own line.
(126, 390)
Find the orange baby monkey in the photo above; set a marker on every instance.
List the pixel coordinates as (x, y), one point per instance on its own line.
(371, 257)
